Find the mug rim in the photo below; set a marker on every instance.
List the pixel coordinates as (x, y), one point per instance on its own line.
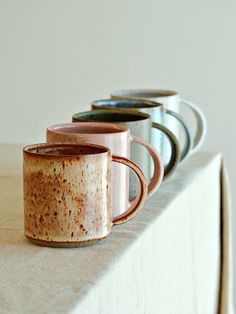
(31, 149)
(136, 93)
(55, 128)
(147, 104)
(142, 116)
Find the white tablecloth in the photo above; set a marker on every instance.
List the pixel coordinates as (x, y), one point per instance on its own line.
(173, 258)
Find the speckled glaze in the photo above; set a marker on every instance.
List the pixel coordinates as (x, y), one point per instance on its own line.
(67, 194)
(118, 139)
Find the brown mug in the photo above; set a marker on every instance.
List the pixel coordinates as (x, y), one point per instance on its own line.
(118, 139)
(67, 194)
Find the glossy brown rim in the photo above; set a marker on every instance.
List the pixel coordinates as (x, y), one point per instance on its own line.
(33, 150)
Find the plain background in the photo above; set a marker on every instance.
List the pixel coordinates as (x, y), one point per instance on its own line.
(56, 56)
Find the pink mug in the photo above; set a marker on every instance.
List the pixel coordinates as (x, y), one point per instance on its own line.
(118, 139)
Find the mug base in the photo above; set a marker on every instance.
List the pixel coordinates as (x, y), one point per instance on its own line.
(56, 244)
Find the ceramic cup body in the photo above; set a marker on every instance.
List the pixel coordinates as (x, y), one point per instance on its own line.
(140, 126)
(156, 112)
(161, 137)
(116, 138)
(67, 194)
(172, 101)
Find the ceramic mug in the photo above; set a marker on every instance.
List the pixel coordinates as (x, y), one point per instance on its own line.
(171, 101)
(140, 125)
(118, 139)
(67, 193)
(158, 114)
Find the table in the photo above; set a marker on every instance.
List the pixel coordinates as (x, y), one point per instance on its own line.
(173, 258)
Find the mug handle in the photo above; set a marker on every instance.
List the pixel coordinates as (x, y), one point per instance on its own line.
(175, 149)
(158, 166)
(201, 124)
(140, 197)
(188, 139)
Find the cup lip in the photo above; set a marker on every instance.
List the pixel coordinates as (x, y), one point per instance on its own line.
(55, 128)
(149, 93)
(147, 104)
(30, 150)
(144, 116)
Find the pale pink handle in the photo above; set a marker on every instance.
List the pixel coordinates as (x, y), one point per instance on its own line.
(141, 195)
(158, 165)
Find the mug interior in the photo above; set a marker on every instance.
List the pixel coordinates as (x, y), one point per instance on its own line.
(65, 149)
(145, 93)
(110, 116)
(125, 103)
(87, 128)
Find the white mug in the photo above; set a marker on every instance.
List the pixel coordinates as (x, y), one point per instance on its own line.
(172, 101)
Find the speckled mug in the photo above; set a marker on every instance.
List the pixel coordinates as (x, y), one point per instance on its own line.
(67, 194)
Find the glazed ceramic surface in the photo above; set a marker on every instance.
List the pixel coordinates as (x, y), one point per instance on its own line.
(67, 193)
(140, 126)
(158, 115)
(118, 139)
(114, 137)
(173, 102)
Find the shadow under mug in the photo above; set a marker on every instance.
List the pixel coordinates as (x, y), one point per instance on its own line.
(140, 125)
(172, 101)
(67, 194)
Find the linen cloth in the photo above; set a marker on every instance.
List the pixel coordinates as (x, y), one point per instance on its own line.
(174, 257)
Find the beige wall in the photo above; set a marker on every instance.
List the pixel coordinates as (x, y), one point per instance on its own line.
(58, 55)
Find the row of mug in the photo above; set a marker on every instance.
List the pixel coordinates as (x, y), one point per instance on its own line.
(69, 197)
